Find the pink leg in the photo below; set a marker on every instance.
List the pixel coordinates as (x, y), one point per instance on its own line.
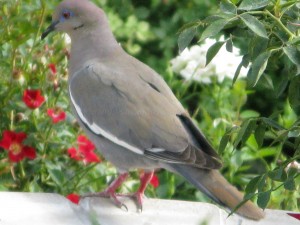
(144, 181)
(110, 191)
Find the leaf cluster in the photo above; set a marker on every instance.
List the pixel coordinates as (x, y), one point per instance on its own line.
(267, 32)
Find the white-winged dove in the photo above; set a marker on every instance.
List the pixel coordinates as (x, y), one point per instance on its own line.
(131, 114)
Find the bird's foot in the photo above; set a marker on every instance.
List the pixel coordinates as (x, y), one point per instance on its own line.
(137, 197)
(108, 194)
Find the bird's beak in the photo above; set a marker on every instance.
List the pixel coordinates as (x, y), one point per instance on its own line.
(49, 29)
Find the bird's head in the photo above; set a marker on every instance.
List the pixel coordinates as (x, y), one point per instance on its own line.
(73, 15)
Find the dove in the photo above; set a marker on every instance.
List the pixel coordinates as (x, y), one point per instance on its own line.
(131, 114)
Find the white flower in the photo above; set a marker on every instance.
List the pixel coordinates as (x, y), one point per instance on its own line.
(294, 165)
(67, 39)
(190, 64)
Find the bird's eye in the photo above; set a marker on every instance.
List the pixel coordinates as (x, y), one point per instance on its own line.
(66, 14)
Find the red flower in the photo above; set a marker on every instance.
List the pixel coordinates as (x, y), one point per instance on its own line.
(90, 157)
(52, 67)
(12, 142)
(85, 151)
(74, 154)
(56, 114)
(73, 198)
(85, 144)
(154, 181)
(33, 98)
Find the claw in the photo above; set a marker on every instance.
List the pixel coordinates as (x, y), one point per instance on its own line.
(137, 198)
(123, 206)
(110, 192)
(139, 201)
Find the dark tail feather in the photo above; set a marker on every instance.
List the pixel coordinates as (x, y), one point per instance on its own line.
(215, 186)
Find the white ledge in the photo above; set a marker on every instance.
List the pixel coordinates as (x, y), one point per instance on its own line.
(44, 209)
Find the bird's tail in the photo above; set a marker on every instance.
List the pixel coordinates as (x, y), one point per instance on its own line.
(215, 186)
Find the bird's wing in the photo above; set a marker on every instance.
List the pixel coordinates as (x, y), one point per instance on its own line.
(135, 115)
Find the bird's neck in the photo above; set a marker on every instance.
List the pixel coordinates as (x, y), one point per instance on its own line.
(92, 44)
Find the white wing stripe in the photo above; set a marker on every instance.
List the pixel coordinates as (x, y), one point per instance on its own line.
(155, 150)
(98, 130)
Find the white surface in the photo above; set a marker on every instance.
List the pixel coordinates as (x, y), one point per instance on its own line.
(43, 209)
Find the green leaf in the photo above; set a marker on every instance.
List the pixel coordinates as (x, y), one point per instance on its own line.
(249, 130)
(246, 130)
(294, 93)
(229, 44)
(290, 184)
(223, 143)
(167, 189)
(193, 24)
(248, 113)
(57, 176)
(260, 134)
(258, 67)
(268, 152)
(272, 123)
(34, 187)
(295, 41)
(185, 38)
(267, 82)
(213, 50)
(278, 174)
(293, 54)
(56, 173)
(262, 184)
(228, 7)
(214, 28)
(246, 60)
(245, 63)
(294, 133)
(292, 171)
(281, 87)
(213, 18)
(263, 199)
(257, 45)
(255, 25)
(237, 73)
(253, 4)
(252, 185)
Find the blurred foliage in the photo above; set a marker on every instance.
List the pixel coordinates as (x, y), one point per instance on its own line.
(268, 35)
(255, 129)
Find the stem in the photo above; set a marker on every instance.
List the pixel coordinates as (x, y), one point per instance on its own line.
(289, 3)
(13, 66)
(278, 21)
(275, 49)
(90, 181)
(45, 138)
(12, 172)
(42, 18)
(83, 174)
(12, 120)
(279, 186)
(22, 171)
